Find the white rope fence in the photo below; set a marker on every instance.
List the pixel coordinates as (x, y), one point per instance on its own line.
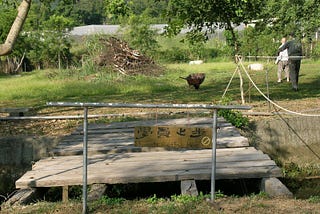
(267, 98)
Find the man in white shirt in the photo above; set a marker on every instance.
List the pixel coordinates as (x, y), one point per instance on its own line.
(282, 61)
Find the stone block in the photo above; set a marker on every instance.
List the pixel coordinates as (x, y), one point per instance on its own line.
(275, 188)
(189, 187)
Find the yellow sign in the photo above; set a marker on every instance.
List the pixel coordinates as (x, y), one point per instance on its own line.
(173, 136)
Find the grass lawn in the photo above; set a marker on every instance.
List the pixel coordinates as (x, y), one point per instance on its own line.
(36, 88)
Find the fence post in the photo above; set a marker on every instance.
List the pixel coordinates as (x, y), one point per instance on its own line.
(85, 161)
(214, 148)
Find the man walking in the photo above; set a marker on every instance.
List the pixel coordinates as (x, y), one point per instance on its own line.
(282, 61)
(295, 55)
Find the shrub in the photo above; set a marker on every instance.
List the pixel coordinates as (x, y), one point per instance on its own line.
(174, 55)
(234, 117)
(316, 51)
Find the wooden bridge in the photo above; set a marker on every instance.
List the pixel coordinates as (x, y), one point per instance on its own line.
(114, 158)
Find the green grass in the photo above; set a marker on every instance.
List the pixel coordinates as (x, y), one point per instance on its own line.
(41, 86)
(176, 205)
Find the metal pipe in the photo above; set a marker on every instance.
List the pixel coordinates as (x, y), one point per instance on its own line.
(142, 105)
(85, 161)
(214, 154)
(63, 117)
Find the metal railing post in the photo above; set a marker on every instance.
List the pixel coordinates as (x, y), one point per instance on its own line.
(214, 158)
(85, 161)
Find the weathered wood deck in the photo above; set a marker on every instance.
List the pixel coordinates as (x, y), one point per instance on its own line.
(119, 137)
(113, 158)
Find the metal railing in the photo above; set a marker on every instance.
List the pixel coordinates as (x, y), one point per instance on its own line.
(86, 106)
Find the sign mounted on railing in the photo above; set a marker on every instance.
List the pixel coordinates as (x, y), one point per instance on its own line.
(173, 136)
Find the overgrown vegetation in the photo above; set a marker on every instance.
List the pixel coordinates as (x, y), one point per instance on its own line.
(45, 42)
(178, 204)
(234, 117)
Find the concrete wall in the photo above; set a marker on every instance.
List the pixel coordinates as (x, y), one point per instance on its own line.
(16, 156)
(288, 139)
(22, 150)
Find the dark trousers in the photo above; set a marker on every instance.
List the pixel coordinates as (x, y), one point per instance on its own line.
(294, 68)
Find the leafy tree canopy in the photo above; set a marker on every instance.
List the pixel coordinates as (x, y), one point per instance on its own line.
(286, 16)
(117, 11)
(209, 15)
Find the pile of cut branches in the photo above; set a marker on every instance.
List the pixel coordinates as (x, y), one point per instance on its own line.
(126, 60)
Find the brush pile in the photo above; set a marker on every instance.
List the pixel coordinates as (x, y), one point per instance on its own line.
(126, 60)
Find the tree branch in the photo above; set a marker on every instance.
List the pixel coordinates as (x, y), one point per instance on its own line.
(16, 27)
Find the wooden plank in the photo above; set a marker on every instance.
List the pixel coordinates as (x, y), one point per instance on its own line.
(163, 166)
(114, 147)
(182, 121)
(100, 139)
(118, 133)
(227, 137)
(226, 142)
(106, 140)
(106, 150)
(108, 146)
(75, 178)
(105, 136)
(156, 149)
(182, 153)
(155, 156)
(123, 162)
(105, 131)
(125, 128)
(94, 142)
(199, 174)
(147, 167)
(119, 137)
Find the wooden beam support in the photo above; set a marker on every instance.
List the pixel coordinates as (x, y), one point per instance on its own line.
(65, 194)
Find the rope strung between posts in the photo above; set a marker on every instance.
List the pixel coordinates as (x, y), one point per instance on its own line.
(275, 104)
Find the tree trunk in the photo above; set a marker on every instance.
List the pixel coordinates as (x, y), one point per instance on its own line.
(234, 38)
(16, 27)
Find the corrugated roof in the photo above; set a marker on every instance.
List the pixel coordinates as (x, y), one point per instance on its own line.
(113, 29)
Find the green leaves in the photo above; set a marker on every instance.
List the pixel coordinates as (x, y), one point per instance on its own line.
(211, 14)
(140, 35)
(300, 16)
(59, 23)
(117, 8)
